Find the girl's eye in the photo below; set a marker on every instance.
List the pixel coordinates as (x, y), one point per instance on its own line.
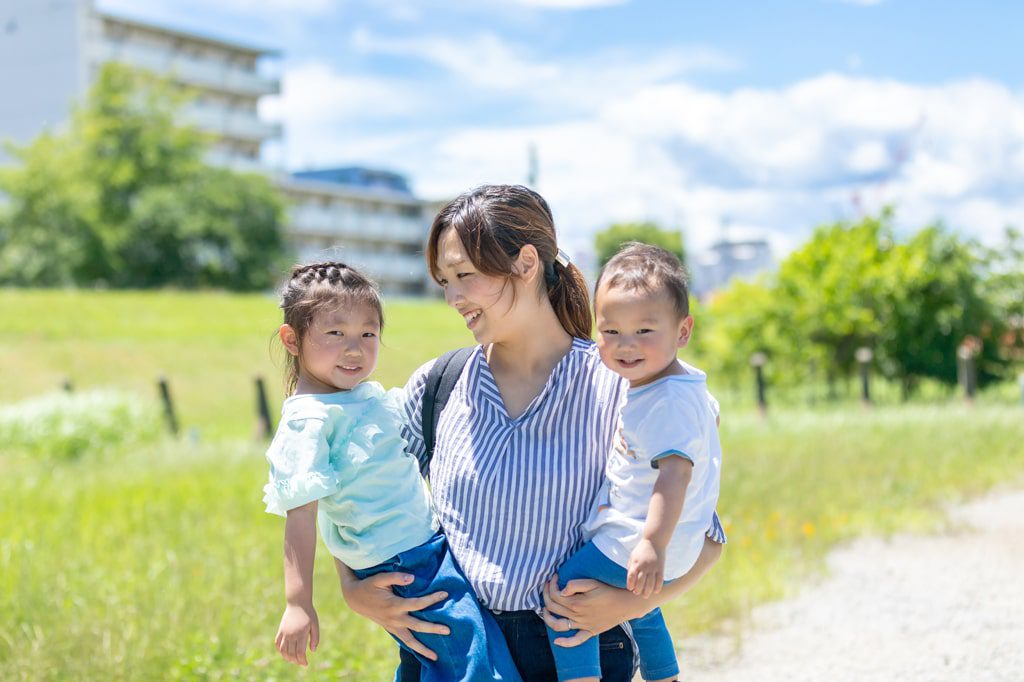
(443, 283)
(335, 332)
(609, 331)
(463, 275)
(644, 331)
(368, 335)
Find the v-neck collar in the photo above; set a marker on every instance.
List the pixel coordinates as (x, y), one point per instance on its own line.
(491, 393)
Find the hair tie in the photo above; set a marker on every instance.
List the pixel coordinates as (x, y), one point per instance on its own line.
(562, 258)
(550, 276)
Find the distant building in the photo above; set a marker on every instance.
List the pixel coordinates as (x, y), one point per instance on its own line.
(726, 260)
(52, 50)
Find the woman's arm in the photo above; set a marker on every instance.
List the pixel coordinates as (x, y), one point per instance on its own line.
(299, 624)
(373, 598)
(593, 607)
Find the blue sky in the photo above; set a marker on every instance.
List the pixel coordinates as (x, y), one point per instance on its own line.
(761, 118)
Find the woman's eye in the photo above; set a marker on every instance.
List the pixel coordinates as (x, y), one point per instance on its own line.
(463, 275)
(368, 335)
(644, 331)
(442, 283)
(609, 331)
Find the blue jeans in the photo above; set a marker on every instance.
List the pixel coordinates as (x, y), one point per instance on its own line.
(657, 654)
(528, 641)
(475, 649)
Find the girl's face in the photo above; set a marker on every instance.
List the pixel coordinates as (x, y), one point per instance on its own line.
(485, 302)
(339, 349)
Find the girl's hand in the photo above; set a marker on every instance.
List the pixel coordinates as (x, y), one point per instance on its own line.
(373, 598)
(646, 571)
(590, 606)
(299, 625)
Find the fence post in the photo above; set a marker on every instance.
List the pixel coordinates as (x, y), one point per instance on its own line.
(967, 371)
(263, 425)
(67, 385)
(165, 397)
(757, 361)
(864, 356)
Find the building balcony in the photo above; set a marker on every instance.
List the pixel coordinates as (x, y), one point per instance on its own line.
(201, 73)
(385, 268)
(231, 123)
(346, 221)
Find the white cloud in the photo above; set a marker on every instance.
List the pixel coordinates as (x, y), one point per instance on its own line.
(774, 161)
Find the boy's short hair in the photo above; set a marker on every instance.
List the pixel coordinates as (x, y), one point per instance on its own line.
(650, 269)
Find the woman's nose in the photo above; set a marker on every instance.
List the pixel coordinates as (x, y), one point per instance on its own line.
(452, 295)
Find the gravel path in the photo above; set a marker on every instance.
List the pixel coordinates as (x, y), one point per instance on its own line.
(920, 608)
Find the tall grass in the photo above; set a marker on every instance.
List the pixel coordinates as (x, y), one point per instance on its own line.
(160, 563)
(66, 426)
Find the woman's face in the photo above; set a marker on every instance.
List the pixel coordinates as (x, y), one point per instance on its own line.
(485, 302)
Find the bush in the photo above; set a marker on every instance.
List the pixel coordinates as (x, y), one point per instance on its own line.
(67, 426)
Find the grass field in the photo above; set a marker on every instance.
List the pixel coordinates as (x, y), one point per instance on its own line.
(158, 562)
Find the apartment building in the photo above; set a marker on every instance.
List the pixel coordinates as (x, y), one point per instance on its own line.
(51, 51)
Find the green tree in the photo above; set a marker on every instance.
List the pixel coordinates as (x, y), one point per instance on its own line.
(123, 198)
(608, 241)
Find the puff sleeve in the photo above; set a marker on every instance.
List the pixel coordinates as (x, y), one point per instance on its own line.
(300, 465)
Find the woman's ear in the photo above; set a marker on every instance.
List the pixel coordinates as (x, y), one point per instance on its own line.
(527, 265)
(289, 339)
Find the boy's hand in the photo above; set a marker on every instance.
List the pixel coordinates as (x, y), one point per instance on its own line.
(299, 624)
(646, 571)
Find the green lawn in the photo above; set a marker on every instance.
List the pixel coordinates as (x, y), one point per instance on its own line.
(210, 346)
(158, 561)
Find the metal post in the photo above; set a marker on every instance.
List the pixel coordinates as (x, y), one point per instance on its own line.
(165, 397)
(263, 425)
(864, 356)
(757, 361)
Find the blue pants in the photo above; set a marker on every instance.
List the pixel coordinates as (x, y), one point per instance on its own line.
(657, 654)
(527, 639)
(475, 649)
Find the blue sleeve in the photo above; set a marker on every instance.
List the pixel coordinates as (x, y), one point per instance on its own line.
(410, 402)
(716, 532)
(300, 466)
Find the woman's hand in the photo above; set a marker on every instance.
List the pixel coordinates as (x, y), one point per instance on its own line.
(589, 606)
(373, 598)
(299, 625)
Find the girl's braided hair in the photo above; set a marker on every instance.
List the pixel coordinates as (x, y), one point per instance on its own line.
(314, 287)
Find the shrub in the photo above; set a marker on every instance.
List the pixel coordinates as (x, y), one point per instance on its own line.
(66, 426)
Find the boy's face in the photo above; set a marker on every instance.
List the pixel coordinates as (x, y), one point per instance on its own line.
(639, 333)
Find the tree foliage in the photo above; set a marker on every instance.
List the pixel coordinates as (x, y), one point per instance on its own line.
(912, 302)
(608, 241)
(123, 198)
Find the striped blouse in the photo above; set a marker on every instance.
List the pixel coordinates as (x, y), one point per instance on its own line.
(512, 495)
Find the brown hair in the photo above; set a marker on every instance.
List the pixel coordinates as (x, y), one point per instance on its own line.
(650, 269)
(319, 286)
(494, 222)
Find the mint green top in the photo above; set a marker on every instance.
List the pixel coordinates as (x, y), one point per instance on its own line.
(345, 449)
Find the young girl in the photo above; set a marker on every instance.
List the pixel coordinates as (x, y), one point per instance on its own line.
(662, 475)
(338, 461)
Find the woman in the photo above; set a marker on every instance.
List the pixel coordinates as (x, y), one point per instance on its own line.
(522, 444)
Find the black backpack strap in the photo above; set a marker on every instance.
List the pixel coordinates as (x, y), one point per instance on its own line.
(441, 379)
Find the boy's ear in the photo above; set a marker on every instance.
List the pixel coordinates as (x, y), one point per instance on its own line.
(685, 330)
(289, 339)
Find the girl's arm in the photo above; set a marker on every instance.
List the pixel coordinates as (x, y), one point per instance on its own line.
(594, 607)
(373, 598)
(646, 570)
(299, 624)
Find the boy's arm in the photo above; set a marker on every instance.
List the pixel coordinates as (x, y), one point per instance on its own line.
(299, 624)
(646, 571)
